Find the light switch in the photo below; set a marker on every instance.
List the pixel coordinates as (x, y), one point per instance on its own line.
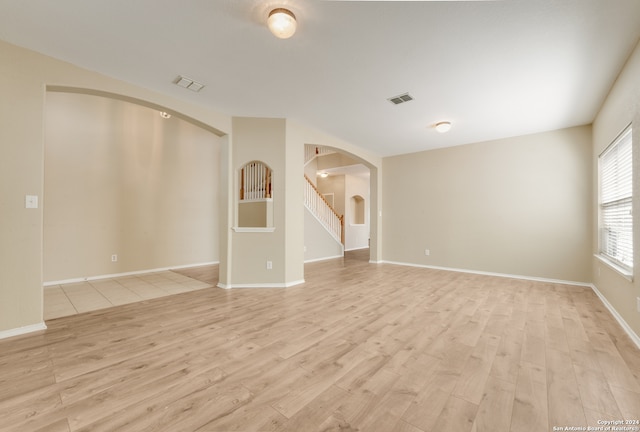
(31, 201)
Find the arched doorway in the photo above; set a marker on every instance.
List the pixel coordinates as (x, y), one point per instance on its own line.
(346, 181)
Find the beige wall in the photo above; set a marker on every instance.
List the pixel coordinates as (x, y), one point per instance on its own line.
(226, 210)
(280, 144)
(517, 206)
(319, 244)
(311, 169)
(21, 162)
(260, 139)
(334, 184)
(24, 78)
(119, 179)
(335, 160)
(296, 138)
(255, 214)
(621, 107)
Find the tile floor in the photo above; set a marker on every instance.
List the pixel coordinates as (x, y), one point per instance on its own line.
(74, 298)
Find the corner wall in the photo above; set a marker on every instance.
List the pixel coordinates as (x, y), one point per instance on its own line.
(259, 139)
(24, 78)
(621, 107)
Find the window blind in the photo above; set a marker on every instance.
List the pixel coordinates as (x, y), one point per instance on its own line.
(616, 188)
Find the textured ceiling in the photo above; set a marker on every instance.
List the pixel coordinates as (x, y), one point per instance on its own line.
(494, 68)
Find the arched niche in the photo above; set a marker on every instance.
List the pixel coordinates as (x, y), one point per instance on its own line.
(358, 210)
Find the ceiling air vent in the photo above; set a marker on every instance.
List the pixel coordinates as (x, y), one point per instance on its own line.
(188, 83)
(396, 100)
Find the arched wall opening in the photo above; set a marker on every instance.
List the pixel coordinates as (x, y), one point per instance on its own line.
(136, 101)
(125, 189)
(27, 80)
(359, 179)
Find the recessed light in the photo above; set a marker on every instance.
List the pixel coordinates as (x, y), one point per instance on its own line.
(443, 126)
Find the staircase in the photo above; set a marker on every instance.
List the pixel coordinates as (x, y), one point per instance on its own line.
(322, 210)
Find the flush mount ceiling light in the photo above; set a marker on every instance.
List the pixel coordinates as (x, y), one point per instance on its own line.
(165, 115)
(324, 174)
(443, 126)
(282, 23)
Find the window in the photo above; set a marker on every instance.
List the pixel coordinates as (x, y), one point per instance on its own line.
(616, 187)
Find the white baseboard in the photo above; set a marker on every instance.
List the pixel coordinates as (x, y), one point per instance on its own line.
(323, 259)
(478, 272)
(356, 249)
(261, 285)
(634, 337)
(22, 330)
(133, 273)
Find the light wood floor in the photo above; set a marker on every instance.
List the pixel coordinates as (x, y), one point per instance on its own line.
(358, 347)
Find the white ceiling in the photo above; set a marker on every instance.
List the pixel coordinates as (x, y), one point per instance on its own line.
(493, 68)
(357, 170)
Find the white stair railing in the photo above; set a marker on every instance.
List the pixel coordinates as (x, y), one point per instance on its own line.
(321, 209)
(255, 181)
(311, 151)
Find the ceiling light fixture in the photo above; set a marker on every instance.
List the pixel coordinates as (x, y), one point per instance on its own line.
(165, 115)
(282, 23)
(324, 174)
(443, 127)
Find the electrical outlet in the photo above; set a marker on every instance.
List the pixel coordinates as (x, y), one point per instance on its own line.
(31, 201)
(114, 258)
(427, 252)
(269, 265)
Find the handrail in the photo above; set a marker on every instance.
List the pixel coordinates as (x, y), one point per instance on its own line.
(323, 211)
(315, 188)
(311, 151)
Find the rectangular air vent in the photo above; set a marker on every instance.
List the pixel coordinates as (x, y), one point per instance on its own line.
(396, 100)
(188, 83)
